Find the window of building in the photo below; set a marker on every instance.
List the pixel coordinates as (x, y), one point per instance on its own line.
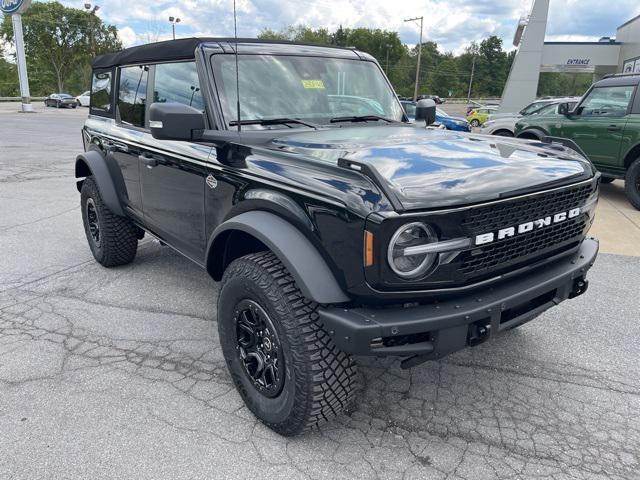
(132, 95)
(178, 83)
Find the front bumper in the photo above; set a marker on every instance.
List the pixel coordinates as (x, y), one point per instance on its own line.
(438, 329)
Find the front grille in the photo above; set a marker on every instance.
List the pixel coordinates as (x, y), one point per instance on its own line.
(518, 249)
(528, 247)
(513, 212)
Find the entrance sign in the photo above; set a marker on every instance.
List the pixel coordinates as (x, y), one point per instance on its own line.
(15, 8)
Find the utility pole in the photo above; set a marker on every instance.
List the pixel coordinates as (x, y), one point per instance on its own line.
(173, 21)
(415, 92)
(473, 69)
(387, 67)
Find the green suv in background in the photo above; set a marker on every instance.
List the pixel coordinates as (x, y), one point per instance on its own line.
(605, 125)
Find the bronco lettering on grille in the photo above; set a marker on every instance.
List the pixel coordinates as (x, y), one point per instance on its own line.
(503, 233)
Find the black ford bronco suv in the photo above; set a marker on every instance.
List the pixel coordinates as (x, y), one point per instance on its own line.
(291, 174)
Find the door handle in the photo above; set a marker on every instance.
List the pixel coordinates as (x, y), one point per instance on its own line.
(613, 128)
(150, 160)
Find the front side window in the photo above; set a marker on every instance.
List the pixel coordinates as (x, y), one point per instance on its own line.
(607, 101)
(315, 89)
(132, 95)
(178, 83)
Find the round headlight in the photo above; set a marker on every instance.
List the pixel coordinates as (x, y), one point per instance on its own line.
(411, 235)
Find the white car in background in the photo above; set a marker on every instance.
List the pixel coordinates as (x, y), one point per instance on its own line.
(504, 124)
(83, 99)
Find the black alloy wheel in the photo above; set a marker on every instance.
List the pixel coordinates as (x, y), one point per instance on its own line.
(259, 348)
(92, 222)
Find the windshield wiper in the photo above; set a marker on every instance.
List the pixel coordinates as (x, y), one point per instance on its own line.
(361, 118)
(274, 121)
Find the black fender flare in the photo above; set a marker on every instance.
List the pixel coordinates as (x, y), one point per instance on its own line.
(93, 163)
(303, 260)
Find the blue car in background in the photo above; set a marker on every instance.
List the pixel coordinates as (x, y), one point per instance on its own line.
(442, 118)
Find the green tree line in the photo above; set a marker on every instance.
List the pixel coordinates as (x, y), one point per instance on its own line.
(441, 73)
(61, 41)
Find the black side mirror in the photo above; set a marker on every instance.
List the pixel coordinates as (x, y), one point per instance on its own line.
(426, 110)
(175, 121)
(563, 109)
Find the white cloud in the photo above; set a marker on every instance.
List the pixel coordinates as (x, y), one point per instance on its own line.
(453, 24)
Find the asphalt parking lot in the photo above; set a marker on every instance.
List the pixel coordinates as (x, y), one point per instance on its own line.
(117, 373)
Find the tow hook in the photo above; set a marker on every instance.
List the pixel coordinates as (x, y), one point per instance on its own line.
(479, 332)
(580, 285)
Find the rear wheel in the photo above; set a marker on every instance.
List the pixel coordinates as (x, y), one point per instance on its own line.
(475, 122)
(285, 366)
(113, 239)
(632, 183)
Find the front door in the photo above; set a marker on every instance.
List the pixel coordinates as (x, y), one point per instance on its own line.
(598, 123)
(173, 174)
(173, 194)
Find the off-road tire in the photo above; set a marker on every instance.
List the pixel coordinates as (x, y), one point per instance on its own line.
(604, 180)
(632, 183)
(118, 240)
(319, 381)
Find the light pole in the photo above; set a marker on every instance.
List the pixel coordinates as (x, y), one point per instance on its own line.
(415, 92)
(91, 10)
(173, 21)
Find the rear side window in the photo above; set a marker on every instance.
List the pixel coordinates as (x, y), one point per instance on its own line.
(101, 92)
(178, 83)
(132, 95)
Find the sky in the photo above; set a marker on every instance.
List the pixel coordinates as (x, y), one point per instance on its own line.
(453, 24)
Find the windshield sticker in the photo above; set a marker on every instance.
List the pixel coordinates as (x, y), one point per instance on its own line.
(313, 84)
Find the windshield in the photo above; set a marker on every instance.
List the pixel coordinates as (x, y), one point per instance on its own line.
(533, 107)
(315, 89)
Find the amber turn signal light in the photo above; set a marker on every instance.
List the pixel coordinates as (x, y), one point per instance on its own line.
(368, 249)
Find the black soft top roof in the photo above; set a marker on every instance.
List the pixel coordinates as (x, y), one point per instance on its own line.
(184, 48)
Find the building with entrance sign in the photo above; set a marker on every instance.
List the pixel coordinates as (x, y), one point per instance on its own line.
(534, 55)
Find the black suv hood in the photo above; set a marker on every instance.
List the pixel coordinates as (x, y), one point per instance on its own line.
(437, 168)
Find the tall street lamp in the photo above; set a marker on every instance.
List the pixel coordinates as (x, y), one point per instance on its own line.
(415, 92)
(173, 21)
(91, 10)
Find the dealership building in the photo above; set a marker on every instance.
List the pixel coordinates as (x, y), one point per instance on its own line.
(608, 55)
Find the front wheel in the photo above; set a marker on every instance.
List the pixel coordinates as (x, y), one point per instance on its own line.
(475, 122)
(285, 366)
(632, 184)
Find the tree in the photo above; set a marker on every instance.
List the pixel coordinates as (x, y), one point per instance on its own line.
(60, 42)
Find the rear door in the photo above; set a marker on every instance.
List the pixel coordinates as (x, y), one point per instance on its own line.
(599, 122)
(129, 131)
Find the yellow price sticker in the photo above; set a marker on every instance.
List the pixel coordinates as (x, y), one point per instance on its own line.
(313, 84)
